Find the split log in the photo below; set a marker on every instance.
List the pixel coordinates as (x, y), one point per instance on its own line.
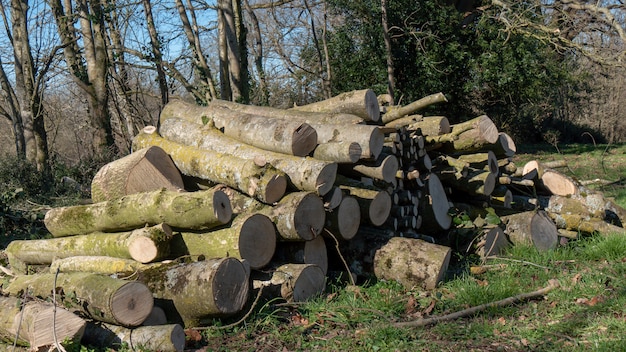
(468, 136)
(145, 170)
(263, 182)
(250, 236)
(306, 174)
(117, 267)
(294, 282)
(273, 134)
(299, 216)
(339, 152)
(94, 296)
(344, 221)
(362, 103)
(144, 245)
(305, 252)
(30, 324)
(531, 228)
(412, 262)
(191, 210)
(431, 126)
(163, 338)
(396, 112)
(434, 208)
(375, 205)
(384, 168)
(208, 289)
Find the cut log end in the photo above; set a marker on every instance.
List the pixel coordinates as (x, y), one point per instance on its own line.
(558, 183)
(326, 178)
(228, 293)
(379, 208)
(439, 202)
(257, 242)
(349, 217)
(275, 189)
(372, 106)
(304, 140)
(309, 217)
(132, 304)
(222, 207)
(315, 253)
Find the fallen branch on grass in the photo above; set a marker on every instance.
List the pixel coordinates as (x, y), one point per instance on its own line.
(471, 311)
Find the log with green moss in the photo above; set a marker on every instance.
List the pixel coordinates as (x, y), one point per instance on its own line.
(362, 103)
(190, 210)
(163, 338)
(306, 174)
(196, 291)
(141, 171)
(250, 236)
(144, 245)
(396, 112)
(259, 180)
(534, 228)
(93, 296)
(30, 324)
(468, 136)
(118, 267)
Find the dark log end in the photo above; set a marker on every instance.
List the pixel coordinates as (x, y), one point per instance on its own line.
(222, 207)
(257, 240)
(379, 209)
(372, 106)
(230, 286)
(326, 179)
(275, 189)
(309, 217)
(304, 140)
(349, 217)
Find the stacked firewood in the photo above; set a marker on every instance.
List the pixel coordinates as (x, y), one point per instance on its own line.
(224, 200)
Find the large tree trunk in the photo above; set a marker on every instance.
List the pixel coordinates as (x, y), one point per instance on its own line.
(37, 324)
(191, 210)
(256, 179)
(98, 297)
(305, 174)
(251, 237)
(362, 103)
(412, 262)
(145, 170)
(208, 289)
(163, 338)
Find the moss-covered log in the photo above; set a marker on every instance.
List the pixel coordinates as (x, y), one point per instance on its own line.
(431, 125)
(98, 265)
(192, 292)
(94, 296)
(294, 282)
(476, 182)
(468, 136)
(145, 170)
(250, 236)
(412, 262)
(163, 338)
(144, 245)
(191, 210)
(263, 182)
(362, 103)
(306, 174)
(394, 113)
(30, 324)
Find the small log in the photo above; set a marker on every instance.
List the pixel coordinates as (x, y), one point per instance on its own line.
(384, 168)
(477, 182)
(263, 182)
(339, 152)
(306, 174)
(531, 228)
(412, 262)
(31, 323)
(294, 282)
(396, 112)
(208, 289)
(403, 121)
(362, 103)
(144, 245)
(191, 210)
(344, 221)
(431, 126)
(490, 242)
(375, 205)
(145, 170)
(97, 265)
(305, 252)
(94, 296)
(486, 161)
(468, 136)
(163, 338)
(250, 236)
(370, 138)
(504, 147)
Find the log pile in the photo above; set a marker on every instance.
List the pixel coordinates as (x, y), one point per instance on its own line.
(224, 200)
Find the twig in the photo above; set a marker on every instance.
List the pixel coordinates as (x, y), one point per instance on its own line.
(341, 256)
(519, 261)
(552, 284)
(256, 300)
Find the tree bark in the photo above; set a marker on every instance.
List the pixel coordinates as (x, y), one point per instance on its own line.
(98, 265)
(305, 174)
(250, 237)
(431, 126)
(163, 338)
(412, 262)
(295, 282)
(208, 289)
(370, 138)
(191, 210)
(344, 221)
(145, 170)
(263, 182)
(97, 297)
(31, 323)
(338, 152)
(394, 113)
(144, 245)
(362, 103)
(531, 228)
